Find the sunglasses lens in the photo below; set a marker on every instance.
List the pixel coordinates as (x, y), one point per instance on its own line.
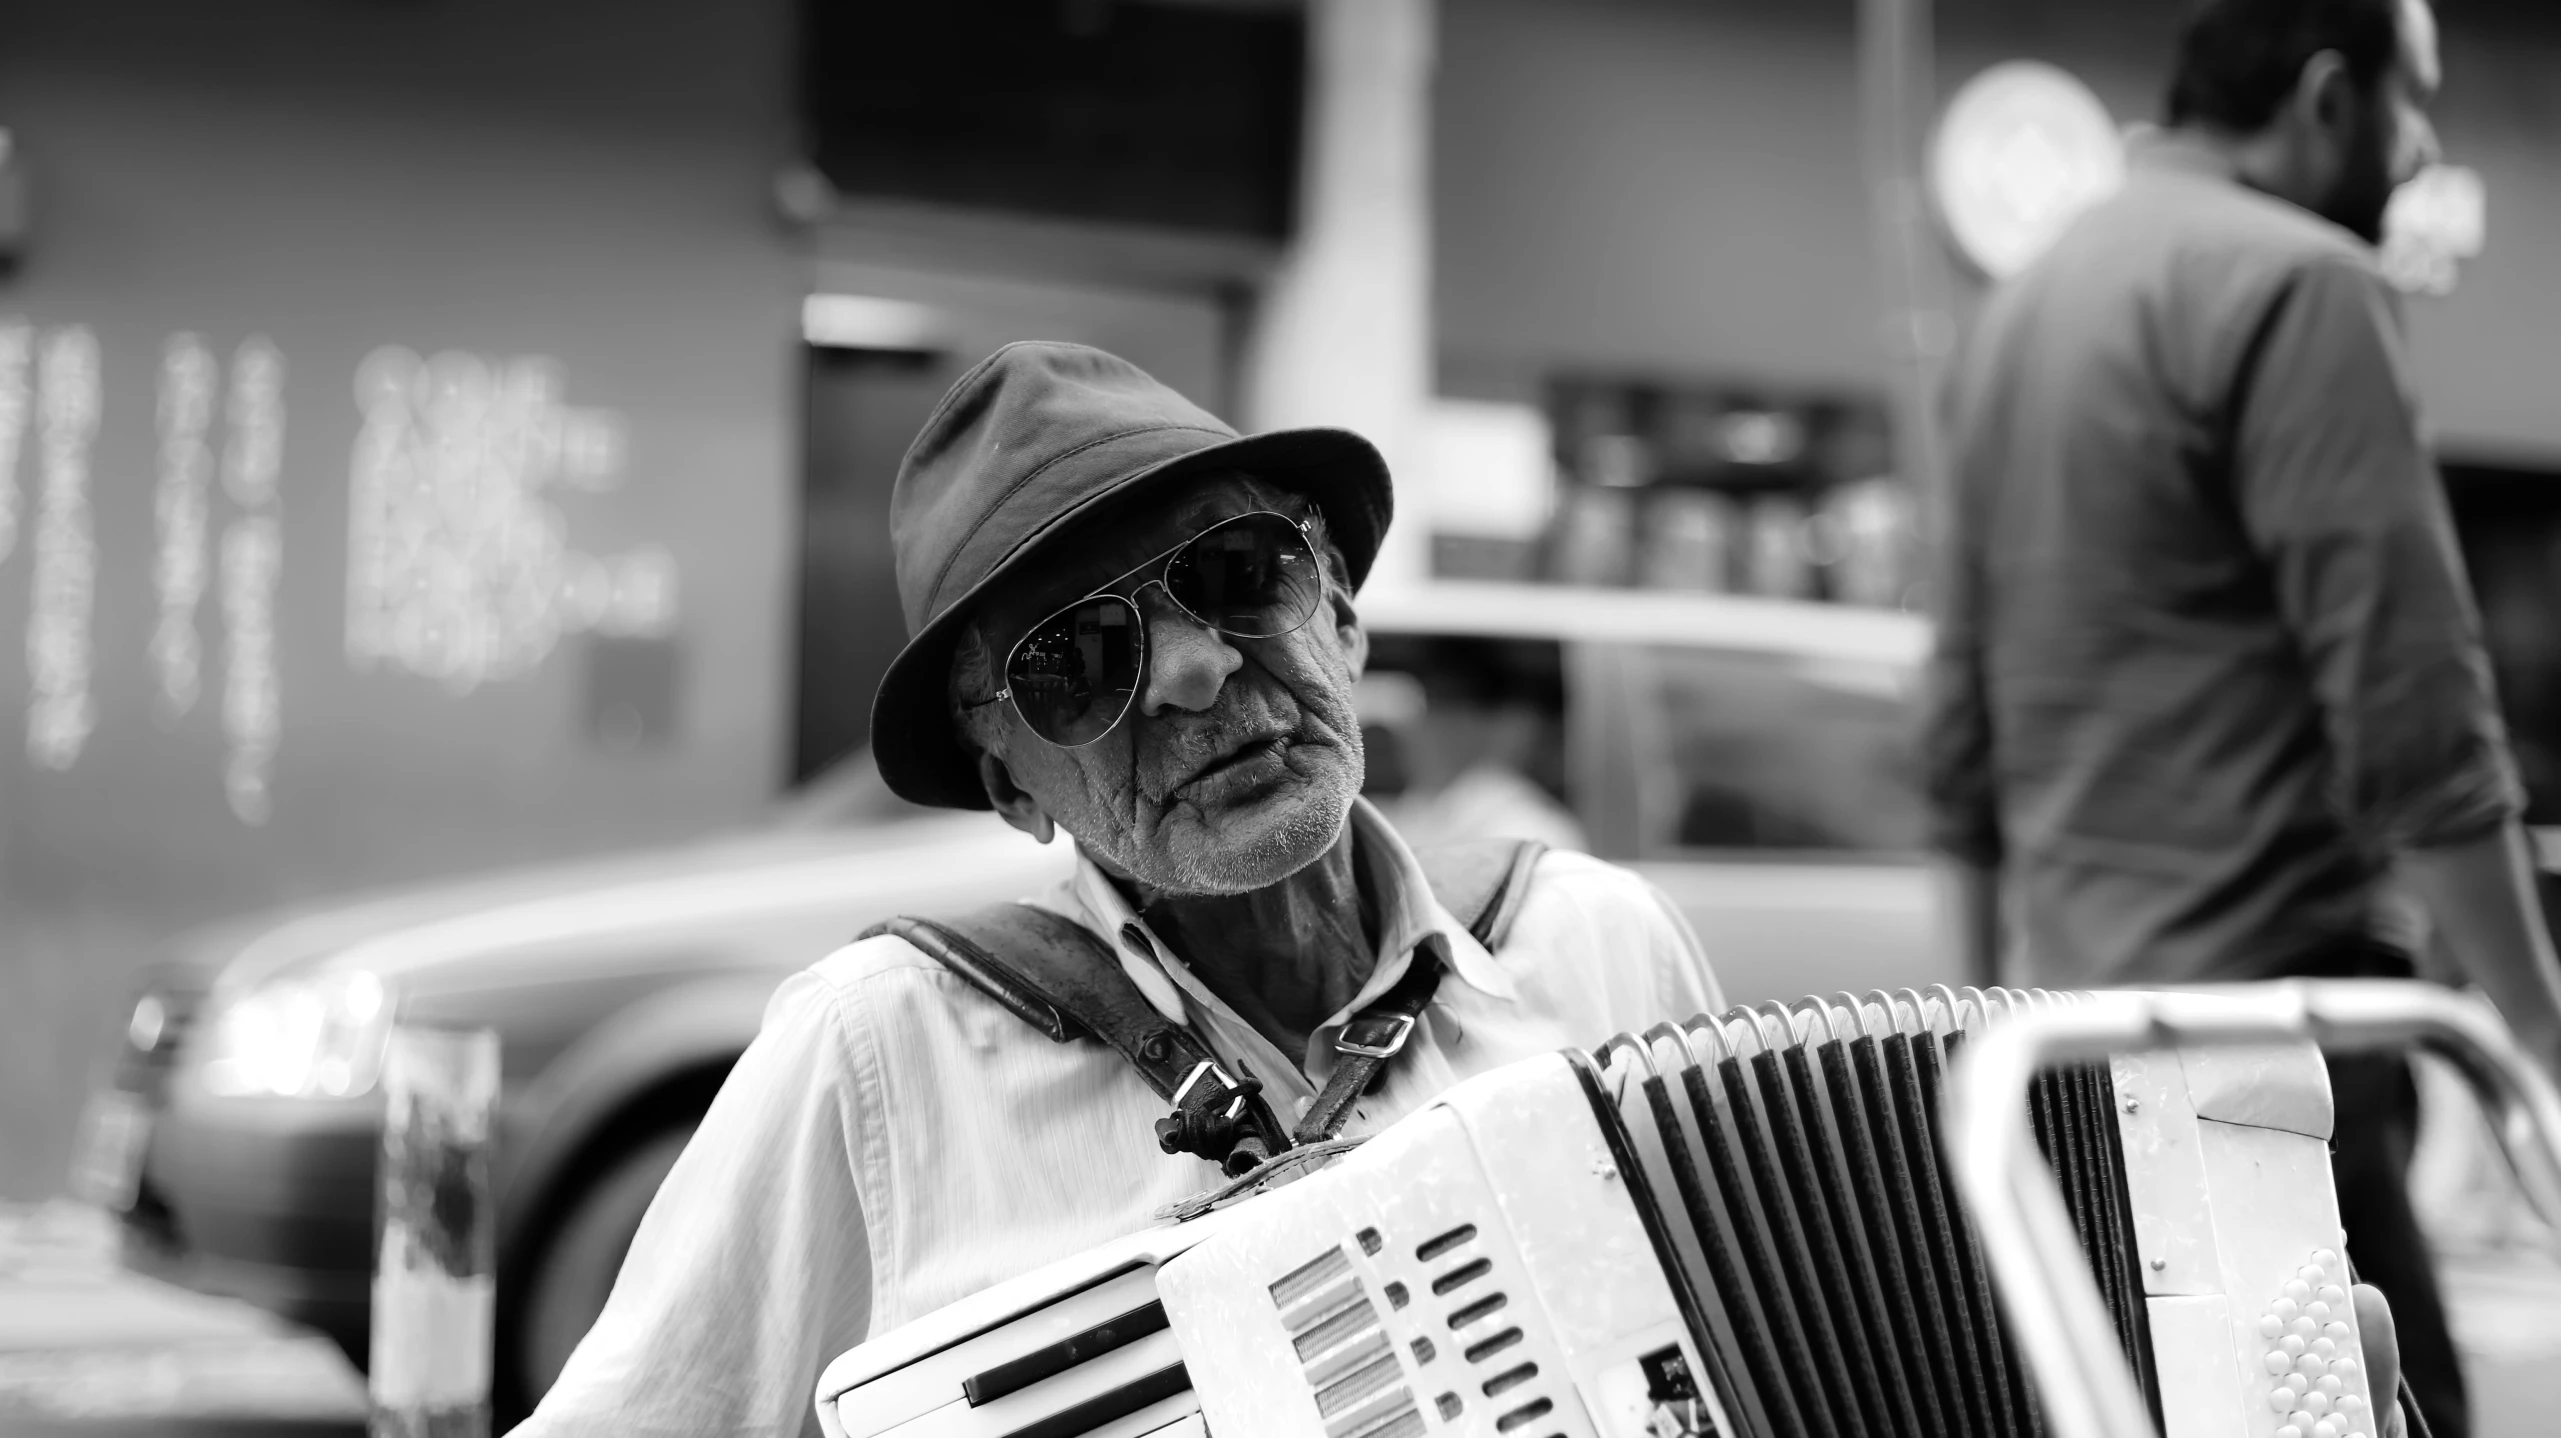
(1253, 577)
(1073, 675)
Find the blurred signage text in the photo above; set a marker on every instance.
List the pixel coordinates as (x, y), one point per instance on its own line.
(458, 562)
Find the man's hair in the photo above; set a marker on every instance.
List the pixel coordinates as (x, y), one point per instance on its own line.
(2239, 59)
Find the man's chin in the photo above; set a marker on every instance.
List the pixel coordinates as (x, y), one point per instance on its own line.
(1254, 839)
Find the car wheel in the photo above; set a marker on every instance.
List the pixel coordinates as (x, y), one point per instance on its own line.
(568, 1281)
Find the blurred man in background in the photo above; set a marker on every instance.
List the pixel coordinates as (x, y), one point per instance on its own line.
(2208, 668)
(1477, 742)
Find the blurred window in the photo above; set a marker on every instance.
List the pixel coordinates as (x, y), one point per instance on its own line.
(1772, 751)
(1179, 115)
(2508, 520)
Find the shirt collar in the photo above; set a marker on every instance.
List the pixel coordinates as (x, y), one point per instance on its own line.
(2167, 151)
(1409, 913)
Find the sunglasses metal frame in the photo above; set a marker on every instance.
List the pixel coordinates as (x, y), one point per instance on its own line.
(1310, 532)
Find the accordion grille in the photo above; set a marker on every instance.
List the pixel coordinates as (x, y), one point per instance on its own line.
(1798, 1178)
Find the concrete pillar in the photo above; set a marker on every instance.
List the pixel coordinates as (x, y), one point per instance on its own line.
(434, 1286)
(1344, 333)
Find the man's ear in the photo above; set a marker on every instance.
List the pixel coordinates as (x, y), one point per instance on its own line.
(1016, 806)
(2325, 99)
(1347, 629)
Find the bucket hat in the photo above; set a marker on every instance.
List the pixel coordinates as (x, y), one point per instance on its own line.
(1039, 434)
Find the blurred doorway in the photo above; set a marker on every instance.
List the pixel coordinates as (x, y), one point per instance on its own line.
(875, 364)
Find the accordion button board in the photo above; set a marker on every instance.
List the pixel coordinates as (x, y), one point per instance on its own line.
(1741, 1226)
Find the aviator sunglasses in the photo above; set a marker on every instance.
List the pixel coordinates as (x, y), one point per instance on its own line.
(1073, 675)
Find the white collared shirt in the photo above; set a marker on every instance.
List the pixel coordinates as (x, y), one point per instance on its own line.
(895, 1141)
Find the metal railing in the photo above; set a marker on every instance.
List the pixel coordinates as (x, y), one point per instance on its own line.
(2044, 1283)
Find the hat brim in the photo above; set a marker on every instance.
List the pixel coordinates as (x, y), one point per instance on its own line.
(912, 738)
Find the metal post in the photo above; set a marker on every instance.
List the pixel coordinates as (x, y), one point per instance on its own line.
(434, 1295)
(1897, 88)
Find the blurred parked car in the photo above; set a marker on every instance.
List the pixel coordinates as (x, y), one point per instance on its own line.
(1751, 757)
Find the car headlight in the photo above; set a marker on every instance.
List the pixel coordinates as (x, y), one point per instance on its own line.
(320, 1037)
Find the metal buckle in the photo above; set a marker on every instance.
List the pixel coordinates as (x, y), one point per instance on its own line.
(1209, 1069)
(1404, 1029)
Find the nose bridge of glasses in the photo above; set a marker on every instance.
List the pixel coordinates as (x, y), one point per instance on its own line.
(1166, 608)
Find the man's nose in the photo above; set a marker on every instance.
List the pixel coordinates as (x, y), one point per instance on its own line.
(2422, 150)
(1187, 661)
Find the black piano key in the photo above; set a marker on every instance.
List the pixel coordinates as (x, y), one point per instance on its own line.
(1016, 1374)
(1104, 1407)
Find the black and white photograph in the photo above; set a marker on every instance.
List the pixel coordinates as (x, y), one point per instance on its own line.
(1280, 718)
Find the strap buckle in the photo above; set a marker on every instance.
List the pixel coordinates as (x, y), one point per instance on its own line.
(1216, 1117)
(1386, 1048)
(1209, 1070)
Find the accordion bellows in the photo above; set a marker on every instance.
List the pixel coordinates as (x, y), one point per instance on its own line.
(1734, 1226)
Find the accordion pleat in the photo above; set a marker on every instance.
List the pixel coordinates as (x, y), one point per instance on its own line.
(1797, 1181)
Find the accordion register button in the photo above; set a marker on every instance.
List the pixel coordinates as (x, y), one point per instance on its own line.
(2286, 1309)
(2270, 1325)
(2291, 1344)
(2304, 1326)
(2278, 1362)
(2289, 1431)
(2333, 1295)
(2324, 1257)
(2317, 1311)
(2298, 1290)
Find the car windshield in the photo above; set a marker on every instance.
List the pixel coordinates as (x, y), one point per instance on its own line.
(1764, 751)
(847, 794)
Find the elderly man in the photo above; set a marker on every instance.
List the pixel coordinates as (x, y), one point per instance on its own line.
(1131, 625)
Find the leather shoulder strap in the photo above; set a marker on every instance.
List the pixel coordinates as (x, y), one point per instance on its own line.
(1482, 882)
(1056, 975)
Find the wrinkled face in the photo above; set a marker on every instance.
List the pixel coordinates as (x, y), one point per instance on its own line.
(1238, 759)
(2391, 137)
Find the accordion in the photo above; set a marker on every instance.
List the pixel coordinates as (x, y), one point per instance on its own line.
(1941, 1214)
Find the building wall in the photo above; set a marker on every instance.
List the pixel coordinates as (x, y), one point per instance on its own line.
(1675, 186)
(577, 180)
